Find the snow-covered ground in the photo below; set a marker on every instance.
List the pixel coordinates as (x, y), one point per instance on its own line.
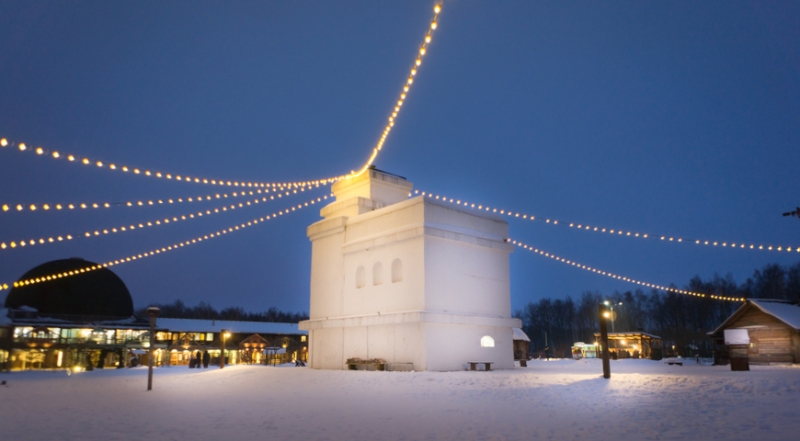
(562, 400)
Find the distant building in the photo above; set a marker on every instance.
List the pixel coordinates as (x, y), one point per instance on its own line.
(86, 321)
(408, 280)
(773, 328)
(630, 345)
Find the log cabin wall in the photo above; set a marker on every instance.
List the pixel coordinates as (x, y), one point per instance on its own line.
(771, 340)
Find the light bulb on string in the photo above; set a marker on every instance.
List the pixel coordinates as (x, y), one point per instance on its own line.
(633, 234)
(156, 251)
(618, 277)
(166, 220)
(408, 82)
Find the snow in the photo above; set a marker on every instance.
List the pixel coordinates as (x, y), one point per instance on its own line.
(237, 327)
(519, 334)
(786, 312)
(562, 399)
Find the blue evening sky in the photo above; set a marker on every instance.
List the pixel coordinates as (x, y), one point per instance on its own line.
(673, 118)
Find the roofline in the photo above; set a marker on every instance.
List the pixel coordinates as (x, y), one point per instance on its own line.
(747, 302)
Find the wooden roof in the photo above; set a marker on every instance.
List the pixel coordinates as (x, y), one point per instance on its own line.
(783, 311)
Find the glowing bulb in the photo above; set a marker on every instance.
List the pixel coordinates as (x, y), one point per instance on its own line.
(22, 147)
(433, 25)
(3, 142)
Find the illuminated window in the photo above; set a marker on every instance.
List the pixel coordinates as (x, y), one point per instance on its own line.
(487, 342)
(210, 336)
(361, 276)
(397, 271)
(377, 274)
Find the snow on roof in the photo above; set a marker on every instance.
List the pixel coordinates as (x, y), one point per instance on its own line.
(4, 320)
(193, 325)
(784, 311)
(519, 334)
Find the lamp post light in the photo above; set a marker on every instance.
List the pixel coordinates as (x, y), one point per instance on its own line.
(612, 314)
(153, 312)
(604, 315)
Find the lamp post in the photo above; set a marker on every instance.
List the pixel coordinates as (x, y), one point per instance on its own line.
(604, 314)
(153, 313)
(223, 335)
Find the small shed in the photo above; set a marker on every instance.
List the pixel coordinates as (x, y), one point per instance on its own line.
(521, 344)
(773, 327)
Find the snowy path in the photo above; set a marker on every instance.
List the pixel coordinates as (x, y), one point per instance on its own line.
(561, 400)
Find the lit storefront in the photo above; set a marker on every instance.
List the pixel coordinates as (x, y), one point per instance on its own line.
(86, 321)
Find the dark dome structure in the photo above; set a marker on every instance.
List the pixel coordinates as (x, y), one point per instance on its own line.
(94, 293)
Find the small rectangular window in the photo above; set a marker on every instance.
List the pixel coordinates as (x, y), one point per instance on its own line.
(210, 336)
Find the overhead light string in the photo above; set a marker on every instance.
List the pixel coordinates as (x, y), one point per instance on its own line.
(43, 152)
(403, 93)
(11, 208)
(162, 250)
(623, 278)
(611, 231)
(10, 245)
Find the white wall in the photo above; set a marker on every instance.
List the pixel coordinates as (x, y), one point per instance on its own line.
(455, 286)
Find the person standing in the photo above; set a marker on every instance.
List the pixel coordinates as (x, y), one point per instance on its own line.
(206, 359)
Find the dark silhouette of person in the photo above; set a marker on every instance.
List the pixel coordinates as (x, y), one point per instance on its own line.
(206, 359)
(198, 357)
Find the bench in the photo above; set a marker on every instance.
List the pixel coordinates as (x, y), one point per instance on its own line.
(487, 365)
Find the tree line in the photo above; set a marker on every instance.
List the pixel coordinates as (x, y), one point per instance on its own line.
(205, 311)
(680, 320)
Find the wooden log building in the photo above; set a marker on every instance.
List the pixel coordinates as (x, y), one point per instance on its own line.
(773, 327)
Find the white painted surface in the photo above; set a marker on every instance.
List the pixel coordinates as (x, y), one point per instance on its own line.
(737, 337)
(454, 287)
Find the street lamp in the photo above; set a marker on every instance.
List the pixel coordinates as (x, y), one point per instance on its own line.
(604, 314)
(223, 335)
(153, 312)
(611, 314)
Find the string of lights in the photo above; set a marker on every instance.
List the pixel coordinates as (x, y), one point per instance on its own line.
(149, 202)
(623, 278)
(141, 225)
(43, 152)
(403, 94)
(611, 231)
(162, 250)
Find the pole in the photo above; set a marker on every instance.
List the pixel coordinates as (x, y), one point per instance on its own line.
(153, 313)
(604, 315)
(613, 319)
(222, 350)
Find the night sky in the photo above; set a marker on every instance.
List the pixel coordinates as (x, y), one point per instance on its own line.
(669, 118)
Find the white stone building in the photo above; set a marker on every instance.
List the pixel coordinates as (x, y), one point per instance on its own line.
(407, 280)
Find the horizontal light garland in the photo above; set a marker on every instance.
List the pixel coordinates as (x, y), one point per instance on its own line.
(40, 151)
(625, 279)
(149, 202)
(163, 249)
(615, 232)
(406, 87)
(141, 225)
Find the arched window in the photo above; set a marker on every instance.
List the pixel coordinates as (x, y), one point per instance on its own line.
(487, 342)
(397, 271)
(361, 276)
(377, 274)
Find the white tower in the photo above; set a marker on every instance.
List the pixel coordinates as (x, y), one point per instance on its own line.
(407, 280)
